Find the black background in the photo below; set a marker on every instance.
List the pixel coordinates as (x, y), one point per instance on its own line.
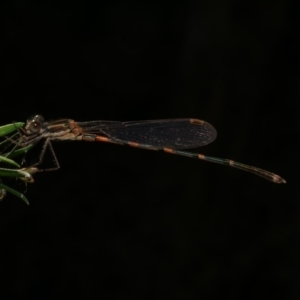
(118, 221)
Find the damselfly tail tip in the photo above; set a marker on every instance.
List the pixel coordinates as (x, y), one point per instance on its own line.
(278, 179)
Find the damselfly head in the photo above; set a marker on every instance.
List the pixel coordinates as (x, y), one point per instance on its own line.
(34, 125)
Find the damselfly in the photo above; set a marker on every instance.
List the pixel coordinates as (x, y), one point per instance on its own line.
(168, 135)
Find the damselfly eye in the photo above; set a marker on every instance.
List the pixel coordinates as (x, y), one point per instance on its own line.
(36, 124)
(39, 119)
(35, 127)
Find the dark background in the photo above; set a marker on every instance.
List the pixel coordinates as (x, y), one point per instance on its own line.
(117, 221)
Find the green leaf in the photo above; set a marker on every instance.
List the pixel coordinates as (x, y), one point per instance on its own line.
(19, 151)
(15, 173)
(9, 161)
(9, 128)
(14, 192)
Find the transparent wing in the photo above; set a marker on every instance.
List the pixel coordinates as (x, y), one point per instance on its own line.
(169, 133)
